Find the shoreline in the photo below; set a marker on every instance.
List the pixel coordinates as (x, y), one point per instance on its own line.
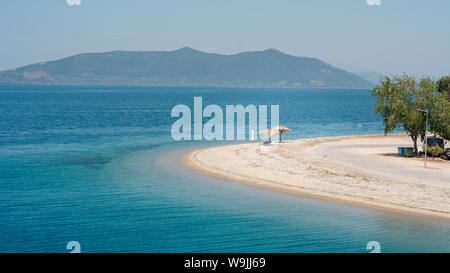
(309, 167)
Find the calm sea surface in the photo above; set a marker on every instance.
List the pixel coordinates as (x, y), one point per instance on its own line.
(97, 165)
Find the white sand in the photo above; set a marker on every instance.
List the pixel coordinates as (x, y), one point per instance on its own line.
(362, 170)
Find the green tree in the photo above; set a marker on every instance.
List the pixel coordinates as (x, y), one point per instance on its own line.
(398, 100)
(440, 116)
(444, 86)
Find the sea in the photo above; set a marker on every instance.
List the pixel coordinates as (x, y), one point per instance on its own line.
(98, 166)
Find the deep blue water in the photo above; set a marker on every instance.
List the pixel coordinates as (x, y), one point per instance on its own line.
(97, 165)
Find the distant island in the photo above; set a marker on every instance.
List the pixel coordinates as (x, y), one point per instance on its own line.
(186, 67)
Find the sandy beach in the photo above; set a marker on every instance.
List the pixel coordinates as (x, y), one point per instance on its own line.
(362, 170)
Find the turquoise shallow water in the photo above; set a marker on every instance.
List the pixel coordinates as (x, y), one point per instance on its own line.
(98, 166)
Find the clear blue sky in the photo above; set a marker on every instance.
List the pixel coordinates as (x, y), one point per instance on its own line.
(399, 36)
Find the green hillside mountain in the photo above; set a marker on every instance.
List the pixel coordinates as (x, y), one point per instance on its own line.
(185, 67)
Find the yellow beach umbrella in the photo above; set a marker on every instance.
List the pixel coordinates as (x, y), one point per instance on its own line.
(280, 130)
(266, 133)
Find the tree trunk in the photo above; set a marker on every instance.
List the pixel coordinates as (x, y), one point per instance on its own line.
(416, 150)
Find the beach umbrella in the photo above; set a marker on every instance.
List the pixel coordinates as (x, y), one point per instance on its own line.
(280, 130)
(266, 133)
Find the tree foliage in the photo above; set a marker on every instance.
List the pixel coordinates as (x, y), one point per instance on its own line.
(440, 116)
(443, 84)
(398, 101)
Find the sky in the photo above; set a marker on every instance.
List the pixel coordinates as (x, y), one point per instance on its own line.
(387, 36)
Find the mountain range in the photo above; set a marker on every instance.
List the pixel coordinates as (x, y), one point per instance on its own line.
(186, 67)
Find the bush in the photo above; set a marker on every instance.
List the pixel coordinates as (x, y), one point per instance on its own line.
(434, 150)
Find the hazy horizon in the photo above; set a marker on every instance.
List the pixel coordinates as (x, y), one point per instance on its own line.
(392, 38)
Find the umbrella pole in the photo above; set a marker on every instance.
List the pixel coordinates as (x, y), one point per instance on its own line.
(280, 135)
